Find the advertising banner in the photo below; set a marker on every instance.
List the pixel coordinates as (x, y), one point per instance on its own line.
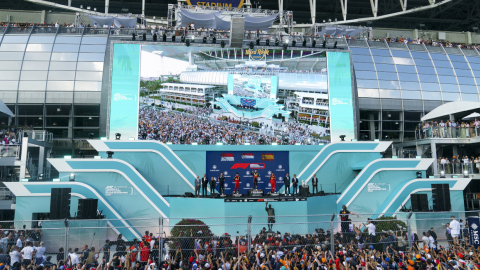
(473, 231)
(245, 164)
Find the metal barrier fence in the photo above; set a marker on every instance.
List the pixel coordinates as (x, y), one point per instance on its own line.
(160, 238)
(447, 132)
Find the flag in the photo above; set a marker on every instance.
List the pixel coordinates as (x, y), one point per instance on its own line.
(269, 157)
(248, 156)
(227, 157)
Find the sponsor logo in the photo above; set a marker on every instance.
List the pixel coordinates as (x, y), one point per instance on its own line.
(248, 172)
(120, 96)
(280, 178)
(118, 190)
(240, 166)
(474, 226)
(371, 187)
(226, 185)
(474, 233)
(248, 184)
(248, 156)
(268, 157)
(247, 165)
(269, 184)
(280, 166)
(225, 173)
(269, 172)
(257, 166)
(227, 157)
(214, 167)
(340, 101)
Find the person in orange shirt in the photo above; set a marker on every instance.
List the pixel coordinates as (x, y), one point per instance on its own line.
(273, 185)
(237, 183)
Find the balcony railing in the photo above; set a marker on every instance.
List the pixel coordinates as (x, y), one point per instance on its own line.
(10, 151)
(459, 168)
(5, 194)
(39, 135)
(447, 133)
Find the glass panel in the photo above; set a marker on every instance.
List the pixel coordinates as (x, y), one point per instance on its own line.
(9, 75)
(457, 58)
(411, 94)
(458, 65)
(380, 52)
(37, 56)
(383, 60)
(431, 95)
(430, 87)
(438, 56)
(59, 133)
(62, 65)
(389, 93)
(449, 88)
(442, 64)
(60, 86)
(33, 75)
(358, 66)
(88, 86)
(386, 67)
(470, 97)
(41, 39)
(95, 66)
(371, 93)
(93, 48)
(410, 85)
(420, 55)
(408, 77)
(88, 76)
(475, 66)
(34, 65)
(466, 80)
(447, 79)
(406, 69)
(58, 110)
(64, 39)
(15, 39)
(66, 47)
(403, 54)
(9, 85)
(476, 73)
(468, 89)
(64, 56)
(428, 78)
(61, 75)
(10, 65)
(451, 96)
(87, 121)
(57, 121)
(93, 110)
(362, 58)
(387, 76)
(84, 133)
(445, 71)
(94, 40)
(11, 55)
(426, 70)
(32, 85)
(388, 85)
(30, 109)
(92, 57)
(365, 75)
(360, 51)
(473, 59)
(4, 47)
(423, 62)
(39, 47)
(463, 73)
(367, 84)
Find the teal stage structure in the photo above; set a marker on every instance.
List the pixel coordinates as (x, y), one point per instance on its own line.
(147, 179)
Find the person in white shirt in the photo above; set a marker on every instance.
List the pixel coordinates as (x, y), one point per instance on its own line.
(455, 228)
(371, 230)
(95, 25)
(425, 240)
(57, 24)
(39, 251)
(27, 253)
(14, 255)
(73, 257)
(19, 241)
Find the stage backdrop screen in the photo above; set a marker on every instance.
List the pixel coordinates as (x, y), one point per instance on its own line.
(245, 163)
(125, 88)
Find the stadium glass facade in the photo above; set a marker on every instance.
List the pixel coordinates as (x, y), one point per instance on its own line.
(398, 83)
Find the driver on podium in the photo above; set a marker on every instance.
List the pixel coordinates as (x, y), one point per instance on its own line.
(237, 183)
(273, 186)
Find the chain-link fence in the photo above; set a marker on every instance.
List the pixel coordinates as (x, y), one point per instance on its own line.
(142, 240)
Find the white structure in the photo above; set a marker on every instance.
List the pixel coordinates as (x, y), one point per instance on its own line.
(310, 107)
(186, 93)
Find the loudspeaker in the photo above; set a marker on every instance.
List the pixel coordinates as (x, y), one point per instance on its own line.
(321, 193)
(441, 197)
(304, 192)
(60, 203)
(87, 208)
(216, 195)
(189, 194)
(237, 30)
(419, 202)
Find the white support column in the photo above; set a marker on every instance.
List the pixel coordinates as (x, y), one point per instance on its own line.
(432, 2)
(280, 10)
(403, 4)
(107, 3)
(343, 4)
(313, 10)
(374, 4)
(143, 8)
(433, 147)
(69, 3)
(41, 159)
(23, 165)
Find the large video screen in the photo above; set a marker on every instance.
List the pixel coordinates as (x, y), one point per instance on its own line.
(211, 95)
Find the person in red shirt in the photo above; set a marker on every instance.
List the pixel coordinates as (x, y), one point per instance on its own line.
(273, 185)
(144, 254)
(133, 255)
(237, 183)
(147, 237)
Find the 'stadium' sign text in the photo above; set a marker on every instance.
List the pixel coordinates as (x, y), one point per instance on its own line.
(218, 3)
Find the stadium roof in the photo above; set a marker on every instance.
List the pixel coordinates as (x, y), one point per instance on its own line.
(456, 15)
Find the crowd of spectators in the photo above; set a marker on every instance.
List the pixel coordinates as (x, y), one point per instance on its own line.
(196, 126)
(449, 129)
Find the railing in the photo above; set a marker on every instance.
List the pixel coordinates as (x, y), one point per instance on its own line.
(39, 135)
(447, 132)
(10, 151)
(19, 30)
(44, 29)
(459, 168)
(71, 30)
(96, 31)
(5, 194)
(233, 235)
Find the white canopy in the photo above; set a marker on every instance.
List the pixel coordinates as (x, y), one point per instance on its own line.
(457, 107)
(4, 109)
(472, 116)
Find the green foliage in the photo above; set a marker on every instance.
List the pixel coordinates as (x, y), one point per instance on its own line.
(389, 223)
(179, 109)
(255, 124)
(187, 227)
